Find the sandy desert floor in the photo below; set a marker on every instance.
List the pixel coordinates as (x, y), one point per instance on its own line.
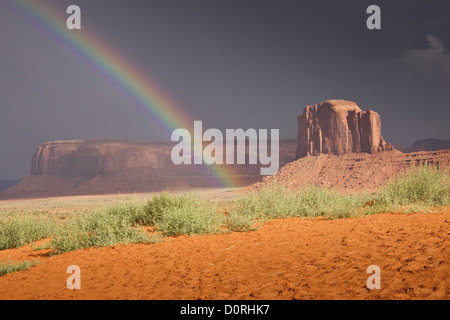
(285, 259)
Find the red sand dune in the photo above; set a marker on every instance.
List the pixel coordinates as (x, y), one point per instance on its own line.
(285, 259)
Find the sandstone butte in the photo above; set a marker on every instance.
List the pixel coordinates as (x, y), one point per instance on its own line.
(338, 145)
(339, 127)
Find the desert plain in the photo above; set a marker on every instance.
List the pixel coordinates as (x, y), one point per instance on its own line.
(294, 258)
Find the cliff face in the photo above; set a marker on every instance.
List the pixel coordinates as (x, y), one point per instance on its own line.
(92, 157)
(339, 127)
(97, 166)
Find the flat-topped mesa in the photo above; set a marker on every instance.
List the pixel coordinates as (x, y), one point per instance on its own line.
(339, 127)
(97, 156)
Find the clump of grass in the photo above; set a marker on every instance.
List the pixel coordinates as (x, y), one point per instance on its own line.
(314, 201)
(103, 228)
(16, 233)
(9, 267)
(172, 215)
(157, 207)
(123, 224)
(241, 220)
(418, 189)
(277, 201)
(187, 215)
(268, 203)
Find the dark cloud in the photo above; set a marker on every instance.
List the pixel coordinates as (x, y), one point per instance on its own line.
(230, 63)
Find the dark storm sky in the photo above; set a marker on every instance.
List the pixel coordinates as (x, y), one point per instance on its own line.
(230, 63)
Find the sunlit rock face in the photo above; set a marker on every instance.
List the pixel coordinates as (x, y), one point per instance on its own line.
(91, 157)
(339, 127)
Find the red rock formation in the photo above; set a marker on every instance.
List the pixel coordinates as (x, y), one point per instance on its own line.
(92, 157)
(339, 127)
(78, 167)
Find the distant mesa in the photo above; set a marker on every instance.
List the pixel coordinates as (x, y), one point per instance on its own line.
(92, 157)
(339, 127)
(431, 145)
(102, 166)
(425, 145)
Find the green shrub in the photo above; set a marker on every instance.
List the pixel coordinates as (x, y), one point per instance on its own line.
(420, 186)
(277, 201)
(417, 190)
(103, 228)
(156, 207)
(16, 233)
(316, 201)
(237, 221)
(9, 267)
(191, 217)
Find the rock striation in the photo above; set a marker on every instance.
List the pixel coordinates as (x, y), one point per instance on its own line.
(339, 127)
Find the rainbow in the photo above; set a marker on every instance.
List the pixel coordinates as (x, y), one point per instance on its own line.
(149, 97)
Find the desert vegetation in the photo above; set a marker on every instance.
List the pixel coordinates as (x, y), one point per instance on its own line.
(10, 266)
(422, 188)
